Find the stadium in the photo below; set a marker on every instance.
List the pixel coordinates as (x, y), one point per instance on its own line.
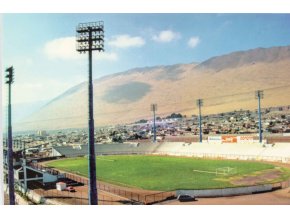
(130, 158)
(156, 173)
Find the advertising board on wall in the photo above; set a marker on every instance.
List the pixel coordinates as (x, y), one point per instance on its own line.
(229, 139)
(245, 139)
(214, 139)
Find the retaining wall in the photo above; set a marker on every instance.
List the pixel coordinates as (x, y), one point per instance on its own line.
(226, 191)
(32, 195)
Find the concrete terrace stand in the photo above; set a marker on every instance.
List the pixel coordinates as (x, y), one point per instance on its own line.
(279, 152)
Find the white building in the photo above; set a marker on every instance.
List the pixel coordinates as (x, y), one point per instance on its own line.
(41, 133)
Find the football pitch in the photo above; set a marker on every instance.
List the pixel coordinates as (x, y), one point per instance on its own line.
(166, 173)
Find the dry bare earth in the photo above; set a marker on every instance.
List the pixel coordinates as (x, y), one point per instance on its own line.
(6, 199)
(279, 197)
(126, 97)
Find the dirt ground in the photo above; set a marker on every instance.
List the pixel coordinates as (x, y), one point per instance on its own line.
(6, 199)
(108, 194)
(258, 179)
(279, 197)
(79, 197)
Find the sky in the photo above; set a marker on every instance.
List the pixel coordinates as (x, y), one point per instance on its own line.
(41, 47)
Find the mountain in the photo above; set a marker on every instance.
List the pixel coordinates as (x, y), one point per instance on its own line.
(242, 58)
(226, 83)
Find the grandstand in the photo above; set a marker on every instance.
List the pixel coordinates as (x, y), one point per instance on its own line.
(246, 151)
(114, 148)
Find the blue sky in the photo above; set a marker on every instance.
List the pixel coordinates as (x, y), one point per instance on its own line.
(41, 47)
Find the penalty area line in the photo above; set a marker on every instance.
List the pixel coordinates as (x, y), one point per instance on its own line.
(210, 172)
(203, 171)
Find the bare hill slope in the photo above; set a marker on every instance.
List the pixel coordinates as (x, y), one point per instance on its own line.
(225, 83)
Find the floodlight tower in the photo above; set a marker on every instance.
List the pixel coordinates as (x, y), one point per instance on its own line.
(154, 109)
(24, 164)
(90, 37)
(199, 103)
(9, 80)
(259, 94)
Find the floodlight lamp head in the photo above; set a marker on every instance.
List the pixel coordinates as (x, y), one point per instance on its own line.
(259, 94)
(199, 102)
(153, 107)
(10, 75)
(90, 36)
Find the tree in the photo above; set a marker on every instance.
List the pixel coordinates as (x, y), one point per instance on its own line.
(117, 139)
(142, 121)
(158, 118)
(174, 115)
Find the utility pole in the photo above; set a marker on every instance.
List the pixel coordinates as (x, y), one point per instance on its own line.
(154, 109)
(9, 81)
(199, 103)
(90, 36)
(259, 94)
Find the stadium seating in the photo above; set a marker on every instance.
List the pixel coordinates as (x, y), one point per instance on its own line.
(279, 151)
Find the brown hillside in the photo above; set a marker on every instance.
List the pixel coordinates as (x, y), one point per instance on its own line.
(225, 83)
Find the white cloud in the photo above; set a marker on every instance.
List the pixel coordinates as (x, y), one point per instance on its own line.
(193, 41)
(166, 36)
(62, 48)
(126, 41)
(65, 49)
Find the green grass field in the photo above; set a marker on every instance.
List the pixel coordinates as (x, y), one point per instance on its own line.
(160, 172)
